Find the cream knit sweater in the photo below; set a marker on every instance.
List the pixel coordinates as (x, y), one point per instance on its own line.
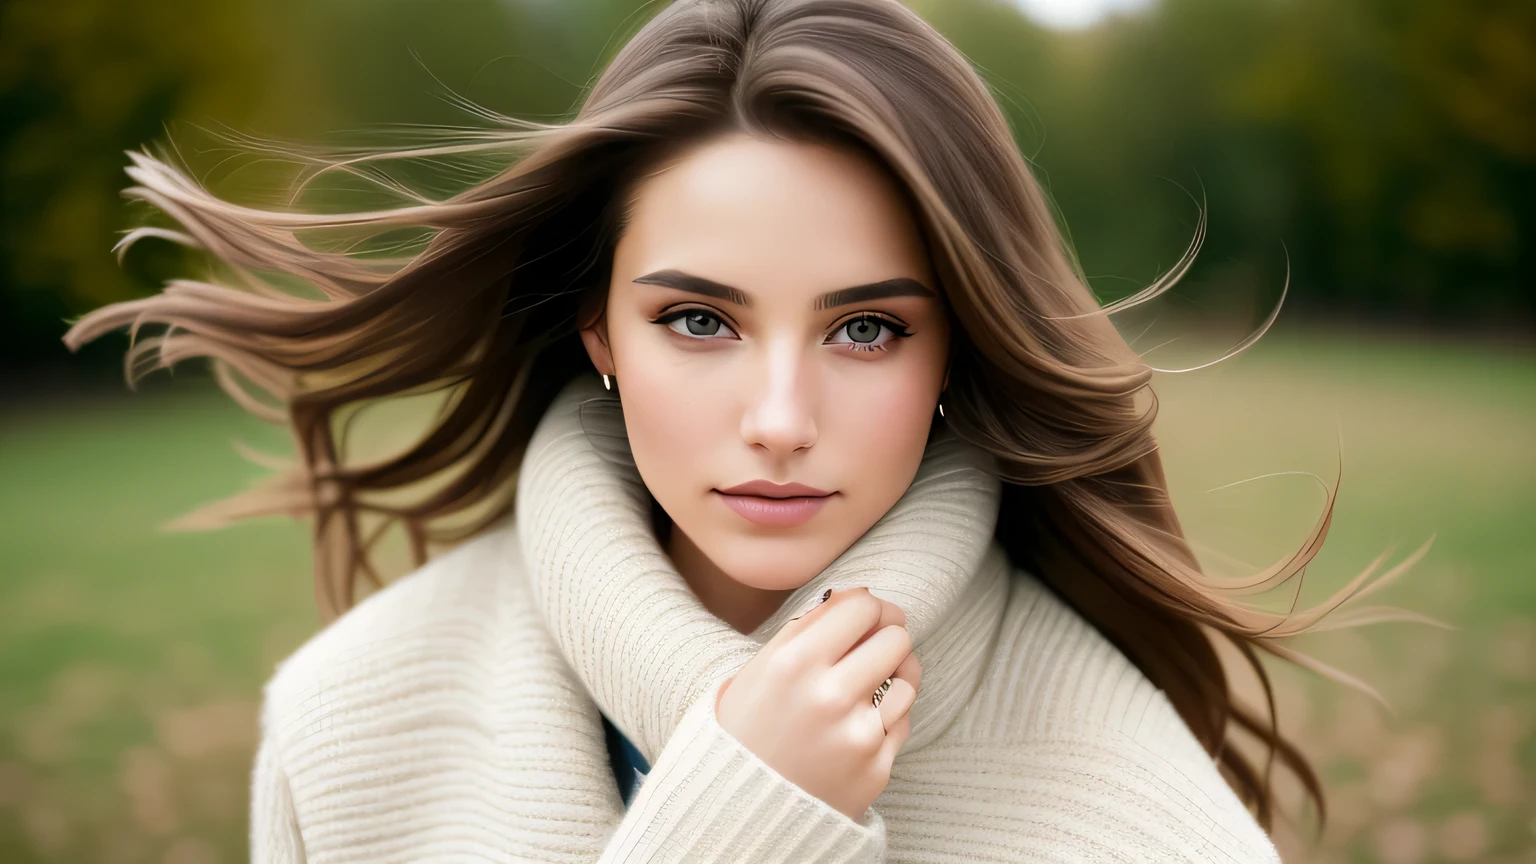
(454, 716)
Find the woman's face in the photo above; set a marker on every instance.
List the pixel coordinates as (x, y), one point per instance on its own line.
(773, 317)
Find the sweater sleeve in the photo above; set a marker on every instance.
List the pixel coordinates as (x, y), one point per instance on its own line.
(707, 799)
(710, 799)
(274, 821)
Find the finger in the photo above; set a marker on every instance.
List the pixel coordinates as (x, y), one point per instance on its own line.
(897, 702)
(799, 623)
(720, 691)
(890, 614)
(866, 666)
(895, 738)
(820, 600)
(911, 670)
(847, 617)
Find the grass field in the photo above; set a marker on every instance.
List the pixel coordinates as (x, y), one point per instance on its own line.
(132, 660)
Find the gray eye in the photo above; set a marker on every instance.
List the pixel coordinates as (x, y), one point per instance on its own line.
(702, 324)
(696, 322)
(863, 330)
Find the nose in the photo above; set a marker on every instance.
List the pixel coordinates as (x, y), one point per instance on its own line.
(780, 413)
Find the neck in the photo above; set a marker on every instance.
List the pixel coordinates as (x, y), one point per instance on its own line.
(637, 634)
(742, 606)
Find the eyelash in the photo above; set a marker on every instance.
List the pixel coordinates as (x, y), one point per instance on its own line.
(898, 331)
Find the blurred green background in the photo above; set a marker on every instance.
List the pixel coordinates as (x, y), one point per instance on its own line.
(1384, 150)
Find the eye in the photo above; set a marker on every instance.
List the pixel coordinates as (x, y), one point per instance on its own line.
(868, 333)
(696, 324)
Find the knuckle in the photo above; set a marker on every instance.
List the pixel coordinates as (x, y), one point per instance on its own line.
(866, 603)
(783, 664)
(865, 738)
(874, 605)
(902, 638)
(826, 699)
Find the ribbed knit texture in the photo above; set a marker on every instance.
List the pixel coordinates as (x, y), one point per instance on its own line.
(455, 714)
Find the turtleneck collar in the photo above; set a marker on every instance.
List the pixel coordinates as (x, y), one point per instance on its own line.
(643, 644)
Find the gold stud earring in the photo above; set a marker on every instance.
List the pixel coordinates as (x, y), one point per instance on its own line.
(607, 385)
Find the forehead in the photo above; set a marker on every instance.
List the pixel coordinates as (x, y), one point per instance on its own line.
(788, 216)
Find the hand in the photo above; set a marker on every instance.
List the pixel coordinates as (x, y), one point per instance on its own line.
(804, 704)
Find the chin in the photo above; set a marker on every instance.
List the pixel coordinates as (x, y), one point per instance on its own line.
(773, 564)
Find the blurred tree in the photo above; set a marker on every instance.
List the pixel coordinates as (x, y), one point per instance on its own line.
(80, 83)
(1416, 122)
(1389, 144)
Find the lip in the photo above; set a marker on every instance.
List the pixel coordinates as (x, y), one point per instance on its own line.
(774, 505)
(765, 489)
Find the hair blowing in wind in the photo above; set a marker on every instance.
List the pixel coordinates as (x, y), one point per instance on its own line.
(488, 308)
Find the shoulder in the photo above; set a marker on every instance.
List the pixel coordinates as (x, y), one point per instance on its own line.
(1057, 675)
(441, 615)
(1088, 735)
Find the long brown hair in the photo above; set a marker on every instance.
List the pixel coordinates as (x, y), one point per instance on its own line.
(489, 307)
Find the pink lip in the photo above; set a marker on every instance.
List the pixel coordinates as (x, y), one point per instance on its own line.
(777, 505)
(765, 489)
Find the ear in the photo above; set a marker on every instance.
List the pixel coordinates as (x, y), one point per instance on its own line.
(595, 338)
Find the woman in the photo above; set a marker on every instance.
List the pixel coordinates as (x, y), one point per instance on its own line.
(781, 317)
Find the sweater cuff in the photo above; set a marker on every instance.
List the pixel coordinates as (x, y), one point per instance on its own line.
(709, 798)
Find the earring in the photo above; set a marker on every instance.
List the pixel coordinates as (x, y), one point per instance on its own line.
(941, 409)
(607, 385)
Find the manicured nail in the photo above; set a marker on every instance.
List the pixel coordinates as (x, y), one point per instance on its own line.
(825, 596)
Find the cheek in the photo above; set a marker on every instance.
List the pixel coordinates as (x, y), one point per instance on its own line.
(671, 413)
(881, 428)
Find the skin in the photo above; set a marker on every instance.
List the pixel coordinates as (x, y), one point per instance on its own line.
(766, 385)
(813, 351)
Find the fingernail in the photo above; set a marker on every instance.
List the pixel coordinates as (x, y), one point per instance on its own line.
(825, 596)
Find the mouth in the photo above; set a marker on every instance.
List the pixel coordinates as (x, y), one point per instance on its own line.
(774, 505)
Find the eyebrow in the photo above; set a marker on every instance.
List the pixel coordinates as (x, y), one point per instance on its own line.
(899, 287)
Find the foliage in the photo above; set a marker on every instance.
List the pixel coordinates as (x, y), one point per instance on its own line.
(1385, 149)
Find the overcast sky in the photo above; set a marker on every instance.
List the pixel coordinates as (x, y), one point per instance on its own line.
(1074, 13)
